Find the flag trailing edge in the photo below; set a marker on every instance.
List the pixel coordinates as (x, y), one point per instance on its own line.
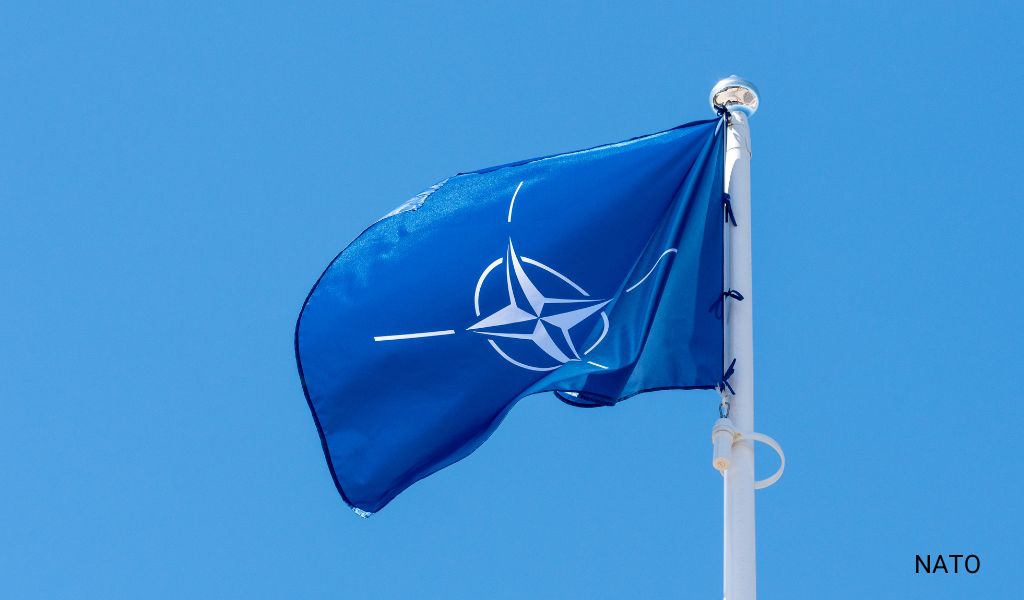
(592, 274)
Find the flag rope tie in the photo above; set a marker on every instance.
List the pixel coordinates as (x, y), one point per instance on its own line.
(724, 384)
(719, 303)
(730, 217)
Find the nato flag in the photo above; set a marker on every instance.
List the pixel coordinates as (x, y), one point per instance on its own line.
(592, 274)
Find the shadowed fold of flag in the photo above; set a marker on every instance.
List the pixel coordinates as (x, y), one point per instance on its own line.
(592, 274)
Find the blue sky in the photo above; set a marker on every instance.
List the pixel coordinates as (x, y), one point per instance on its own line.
(173, 179)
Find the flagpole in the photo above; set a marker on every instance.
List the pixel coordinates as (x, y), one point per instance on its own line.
(739, 98)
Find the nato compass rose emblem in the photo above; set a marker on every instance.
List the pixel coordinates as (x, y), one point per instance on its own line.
(543, 322)
(530, 328)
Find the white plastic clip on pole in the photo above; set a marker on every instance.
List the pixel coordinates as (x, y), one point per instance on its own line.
(724, 435)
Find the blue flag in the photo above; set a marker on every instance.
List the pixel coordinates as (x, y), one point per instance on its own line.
(592, 274)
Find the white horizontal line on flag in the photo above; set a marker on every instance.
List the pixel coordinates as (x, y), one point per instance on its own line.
(590, 362)
(409, 336)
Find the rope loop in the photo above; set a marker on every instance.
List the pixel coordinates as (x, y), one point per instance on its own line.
(718, 306)
(724, 384)
(730, 217)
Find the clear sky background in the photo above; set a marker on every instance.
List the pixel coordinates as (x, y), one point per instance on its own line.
(173, 180)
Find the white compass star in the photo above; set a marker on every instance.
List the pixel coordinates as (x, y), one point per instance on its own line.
(532, 316)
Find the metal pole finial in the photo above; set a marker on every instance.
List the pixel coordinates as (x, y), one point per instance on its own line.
(734, 94)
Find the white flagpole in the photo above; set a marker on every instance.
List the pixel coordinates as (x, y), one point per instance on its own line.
(739, 98)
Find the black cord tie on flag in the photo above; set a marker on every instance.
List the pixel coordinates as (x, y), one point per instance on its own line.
(719, 305)
(730, 217)
(724, 384)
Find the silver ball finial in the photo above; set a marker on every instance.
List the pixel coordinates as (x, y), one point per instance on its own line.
(734, 93)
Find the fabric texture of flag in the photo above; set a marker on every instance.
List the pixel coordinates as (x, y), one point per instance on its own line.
(592, 274)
